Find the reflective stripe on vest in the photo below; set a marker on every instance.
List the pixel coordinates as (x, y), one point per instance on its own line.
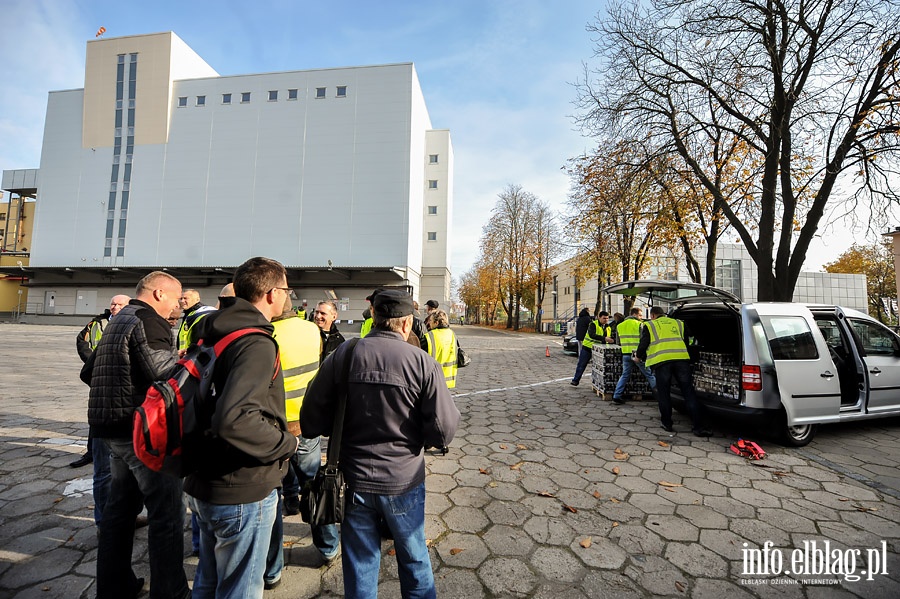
(365, 328)
(299, 342)
(442, 347)
(666, 341)
(629, 331)
(604, 331)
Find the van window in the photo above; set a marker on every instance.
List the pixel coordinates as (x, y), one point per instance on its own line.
(790, 338)
(876, 340)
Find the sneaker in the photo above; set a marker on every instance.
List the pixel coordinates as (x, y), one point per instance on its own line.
(574, 383)
(327, 561)
(618, 400)
(702, 432)
(82, 461)
(291, 505)
(667, 427)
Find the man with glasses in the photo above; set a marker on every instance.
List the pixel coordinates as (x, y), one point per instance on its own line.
(234, 491)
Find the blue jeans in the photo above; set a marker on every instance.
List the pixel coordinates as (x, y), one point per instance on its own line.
(102, 476)
(680, 370)
(627, 365)
(304, 465)
(584, 358)
(404, 515)
(132, 483)
(233, 544)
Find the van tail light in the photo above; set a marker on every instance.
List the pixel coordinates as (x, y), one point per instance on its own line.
(751, 378)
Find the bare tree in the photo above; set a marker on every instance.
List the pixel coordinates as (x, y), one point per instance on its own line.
(808, 88)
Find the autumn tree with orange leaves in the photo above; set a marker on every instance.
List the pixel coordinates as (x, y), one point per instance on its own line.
(876, 261)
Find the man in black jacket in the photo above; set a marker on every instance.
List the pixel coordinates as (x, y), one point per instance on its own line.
(324, 316)
(243, 455)
(135, 350)
(581, 326)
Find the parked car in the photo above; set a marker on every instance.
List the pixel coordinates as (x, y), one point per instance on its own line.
(570, 345)
(794, 366)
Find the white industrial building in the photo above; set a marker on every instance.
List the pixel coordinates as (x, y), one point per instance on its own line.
(160, 162)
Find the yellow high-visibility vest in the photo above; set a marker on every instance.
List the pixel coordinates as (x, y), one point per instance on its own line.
(365, 328)
(95, 333)
(299, 343)
(442, 347)
(629, 332)
(601, 330)
(666, 341)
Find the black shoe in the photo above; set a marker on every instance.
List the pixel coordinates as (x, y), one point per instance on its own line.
(574, 383)
(271, 585)
(618, 400)
(667, 427)
(138, 587)
(82, 461)
(291, 506)
(702, 432)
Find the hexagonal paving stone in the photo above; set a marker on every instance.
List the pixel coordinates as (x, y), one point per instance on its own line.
(462, 550)
(469, 496)
(465, 519)
(758, 532)
(696, 560)
(550, 531)
(507, 512)
(702, 516)
(673, 528)
(599, 553)
(508, 540)
(724, 542)
(504, 491)
(440, 483)
(505, 575)
(637, 540)
(651, 503)
(557, 564)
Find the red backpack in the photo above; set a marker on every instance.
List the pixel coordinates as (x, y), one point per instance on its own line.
(172, 408)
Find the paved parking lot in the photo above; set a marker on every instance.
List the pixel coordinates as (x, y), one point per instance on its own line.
(547, 492)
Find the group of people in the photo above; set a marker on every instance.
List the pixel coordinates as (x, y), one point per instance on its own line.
(272, 402)
(658, 348)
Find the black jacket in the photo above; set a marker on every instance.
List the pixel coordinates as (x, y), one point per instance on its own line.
(581, 325)
(330, 341)
(242, 457)
(82, 341)
(135, 350)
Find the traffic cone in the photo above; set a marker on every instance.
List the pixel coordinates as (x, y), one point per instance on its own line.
(548, 351)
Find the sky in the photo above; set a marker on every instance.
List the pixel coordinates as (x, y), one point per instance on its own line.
(498, 74)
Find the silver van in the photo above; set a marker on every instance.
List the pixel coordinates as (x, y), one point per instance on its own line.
(794, 365)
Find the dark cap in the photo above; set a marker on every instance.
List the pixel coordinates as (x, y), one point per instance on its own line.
(371, 297)
(392, 303)
(432, 304)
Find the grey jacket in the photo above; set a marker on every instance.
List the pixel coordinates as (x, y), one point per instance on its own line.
(397, 403)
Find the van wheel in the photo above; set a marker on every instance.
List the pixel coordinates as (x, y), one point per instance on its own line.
(795, 436)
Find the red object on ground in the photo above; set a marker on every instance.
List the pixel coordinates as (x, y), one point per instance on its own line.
(548, 351)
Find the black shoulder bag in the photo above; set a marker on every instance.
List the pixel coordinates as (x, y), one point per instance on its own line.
(322, 498)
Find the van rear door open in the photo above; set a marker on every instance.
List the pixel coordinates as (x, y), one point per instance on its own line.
(807, 377)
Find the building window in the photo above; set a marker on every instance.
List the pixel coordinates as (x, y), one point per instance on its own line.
(432, 236)
(432, 184)
(182, 101)
(292, 94)
(432, 159)
(2, 216)
(342, 91)
(201, 100)
(728, 276)
(320, 92)
(245, 97)
(273, 95)
(121, 59)
(131, 103)
(226, 98)
(432, 210)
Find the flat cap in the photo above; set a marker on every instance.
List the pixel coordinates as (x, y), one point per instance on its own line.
(392, 303)
(432, 304)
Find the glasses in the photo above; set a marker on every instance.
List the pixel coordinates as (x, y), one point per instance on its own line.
(288, 291)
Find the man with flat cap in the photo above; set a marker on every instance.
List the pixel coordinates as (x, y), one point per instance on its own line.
(397, 403)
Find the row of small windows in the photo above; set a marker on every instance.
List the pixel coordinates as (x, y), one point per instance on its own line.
(292, 94)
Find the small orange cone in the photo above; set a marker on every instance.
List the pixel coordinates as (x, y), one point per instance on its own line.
(548, 351)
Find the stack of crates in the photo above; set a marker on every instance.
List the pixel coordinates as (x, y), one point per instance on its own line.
(717, 374)
(607, 368)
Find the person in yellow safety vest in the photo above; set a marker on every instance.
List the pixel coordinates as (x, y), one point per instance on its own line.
(193, 312)
(664, 348)
(628, 333)
(599, 331)
(367, 315)
(299, 345)
(441, 341)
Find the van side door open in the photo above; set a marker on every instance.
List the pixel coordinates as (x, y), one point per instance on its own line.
(808, 380)
(879, 350)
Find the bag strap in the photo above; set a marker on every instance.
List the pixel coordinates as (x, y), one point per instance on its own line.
(337, 431)
(230, 338)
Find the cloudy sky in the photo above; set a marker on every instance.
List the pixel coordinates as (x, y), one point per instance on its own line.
(497, 73)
